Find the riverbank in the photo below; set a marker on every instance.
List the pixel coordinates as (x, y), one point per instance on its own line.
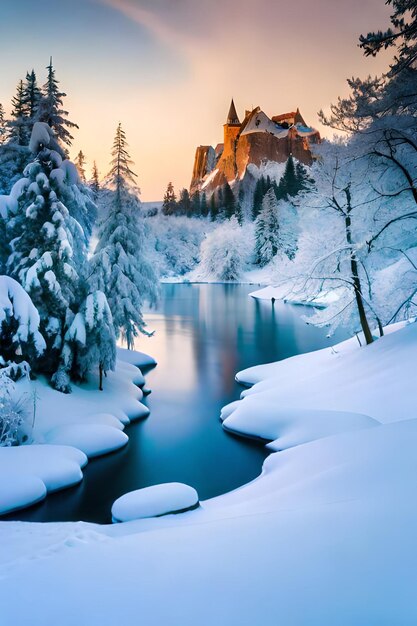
(70, 429)
(326, 535)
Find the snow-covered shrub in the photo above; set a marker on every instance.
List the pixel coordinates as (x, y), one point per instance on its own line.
(225, 252)
(13, 414)
(177, 243)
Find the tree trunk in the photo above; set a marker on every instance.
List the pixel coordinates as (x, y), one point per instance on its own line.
(355, 278)
(100, 372)
(359, 301)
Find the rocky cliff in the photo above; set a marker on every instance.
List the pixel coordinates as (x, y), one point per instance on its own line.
(256, 140)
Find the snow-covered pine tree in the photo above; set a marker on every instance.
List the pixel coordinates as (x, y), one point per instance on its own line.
(90, 340)
(4, 244)
(51, 112)
(267, 230)
(80, 162)
(14, 153)
(2, 125)
(44, 238)
(304, 179)
(261, 187)
(18, 124)
(20, 338)
(169, 204)
(120, 267)
(239, 213)
(32, 96)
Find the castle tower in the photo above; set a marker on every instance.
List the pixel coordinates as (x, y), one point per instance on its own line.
(232, 118)
(231, 131)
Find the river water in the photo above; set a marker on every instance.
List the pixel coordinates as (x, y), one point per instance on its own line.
(204, 334)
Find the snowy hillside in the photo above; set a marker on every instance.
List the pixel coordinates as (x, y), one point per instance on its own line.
(319, 538)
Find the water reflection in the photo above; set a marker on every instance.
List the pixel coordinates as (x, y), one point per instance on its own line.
(204, 334)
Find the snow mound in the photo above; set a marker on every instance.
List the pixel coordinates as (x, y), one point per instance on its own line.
(106, 419)
(154, 501)
(26, 467)
(92, 439)
(291, 427)
(283, 292)
(41, 136)
(140, 359)
(134, 373)
(20, 492)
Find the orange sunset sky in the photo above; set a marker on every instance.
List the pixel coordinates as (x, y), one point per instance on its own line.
(167, 69)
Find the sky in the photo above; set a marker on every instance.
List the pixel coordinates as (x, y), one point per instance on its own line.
(167, 69)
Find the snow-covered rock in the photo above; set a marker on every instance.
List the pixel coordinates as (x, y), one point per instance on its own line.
(154, 501)
(92, 439)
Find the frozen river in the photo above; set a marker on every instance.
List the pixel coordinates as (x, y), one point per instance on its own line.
(204, 334)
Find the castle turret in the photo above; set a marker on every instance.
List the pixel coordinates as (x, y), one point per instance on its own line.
(232, 118)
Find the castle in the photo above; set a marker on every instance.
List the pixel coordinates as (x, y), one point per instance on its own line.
(256, 140)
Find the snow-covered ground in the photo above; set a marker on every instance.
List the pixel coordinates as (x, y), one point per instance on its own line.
(69, 429)
(326, 535)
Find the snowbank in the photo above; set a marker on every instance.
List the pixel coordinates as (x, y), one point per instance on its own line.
(286, 428)
(326, 535)
(154, 501)
(140, 359)
(92, 439)
(282, 292)
(71, 427)
(35, 470)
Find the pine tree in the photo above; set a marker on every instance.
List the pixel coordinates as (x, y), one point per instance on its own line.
(303, 178)
(2, 125)
(204, 210)
(196, 204)
(258, 194)
(32, 95)
(239, 213)
(80, 162)
(289, 185)
(214, 212)
(18, 125)
(119, 266)
(169, 204)
(95, 181)
(14, 151)
(220, 201)
(47, 251)
(50, 110)
(267, 230)
(229, 201)
(184, 203)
